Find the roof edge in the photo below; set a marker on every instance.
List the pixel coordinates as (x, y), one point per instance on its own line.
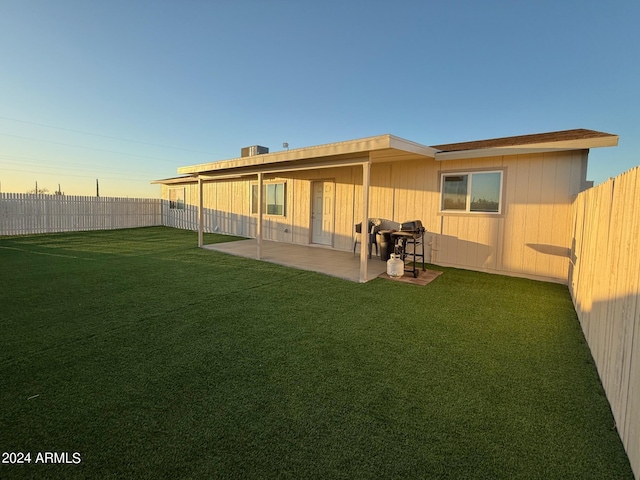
(530, 140)
(324, 150)
(175, 180)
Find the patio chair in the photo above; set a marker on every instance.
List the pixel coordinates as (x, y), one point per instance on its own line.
(374, 227)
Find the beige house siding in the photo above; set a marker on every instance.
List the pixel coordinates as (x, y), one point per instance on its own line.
(529, 238)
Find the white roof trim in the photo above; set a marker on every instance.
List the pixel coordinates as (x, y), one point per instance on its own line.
(174, 180)
(351, 147)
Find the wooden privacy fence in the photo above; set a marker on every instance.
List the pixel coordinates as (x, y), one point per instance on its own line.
(26, 213)
(604, 280)
(185, 218)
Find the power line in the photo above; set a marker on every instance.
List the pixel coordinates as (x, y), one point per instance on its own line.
(89, 148)
(52, 170)
(105, 136)
(120, 179)
(37, 162)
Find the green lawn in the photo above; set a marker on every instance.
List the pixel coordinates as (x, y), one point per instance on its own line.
(152, 358)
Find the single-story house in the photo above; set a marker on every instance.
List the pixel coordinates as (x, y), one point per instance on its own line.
(501, 205)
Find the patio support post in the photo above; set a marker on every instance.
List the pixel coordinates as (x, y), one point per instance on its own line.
(200, 213)
(260, 207)
(364, 231)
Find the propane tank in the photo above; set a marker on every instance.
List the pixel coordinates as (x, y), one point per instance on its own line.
(395, 266)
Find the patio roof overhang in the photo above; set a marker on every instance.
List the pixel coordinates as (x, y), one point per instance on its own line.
(381, 148)
(176, 180)
(362, 153)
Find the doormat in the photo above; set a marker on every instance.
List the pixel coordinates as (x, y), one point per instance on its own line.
(424, 278)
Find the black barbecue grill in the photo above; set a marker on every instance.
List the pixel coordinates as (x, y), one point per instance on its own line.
(410, 233)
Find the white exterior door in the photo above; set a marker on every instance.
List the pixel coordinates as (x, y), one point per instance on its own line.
(322, 213)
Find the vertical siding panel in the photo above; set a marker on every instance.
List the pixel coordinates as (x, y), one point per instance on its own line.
(513, 255)
(340, 225)
(294, 204)
(211, 202)
(545, 227)
(410, 186)
(238, 208)
(343, 207)
(429, 198)
(419, 188)
(375, 191)
(222, 201)
(486, 243)
(223, 207)
(304, 211)
(244, 199)
(562, 208)
(468, 240)
(299, 211)
(495, 230)
(381, 192)
(290, 206)
(401, 194)
(356, 173)
(449, 240)
(353, 199)
(532, 215)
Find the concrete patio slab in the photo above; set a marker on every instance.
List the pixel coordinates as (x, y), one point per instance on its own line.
(327, 261)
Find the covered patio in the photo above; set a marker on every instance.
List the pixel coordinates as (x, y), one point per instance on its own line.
(360, 153)
(327, 261)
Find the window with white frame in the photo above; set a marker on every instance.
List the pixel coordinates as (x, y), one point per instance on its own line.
(471, 192)
(273, 198)
(176, 198)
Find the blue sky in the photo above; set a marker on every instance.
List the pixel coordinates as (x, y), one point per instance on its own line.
(138, 88)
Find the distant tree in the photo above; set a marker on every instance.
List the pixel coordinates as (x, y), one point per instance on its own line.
(38, 191)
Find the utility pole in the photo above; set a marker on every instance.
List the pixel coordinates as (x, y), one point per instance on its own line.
(36, 192)
(97, 188)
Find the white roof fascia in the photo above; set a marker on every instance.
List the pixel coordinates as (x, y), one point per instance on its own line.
(578, 144)
(398, 143)
(362, 145)
(174, 180)
(283, 168)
